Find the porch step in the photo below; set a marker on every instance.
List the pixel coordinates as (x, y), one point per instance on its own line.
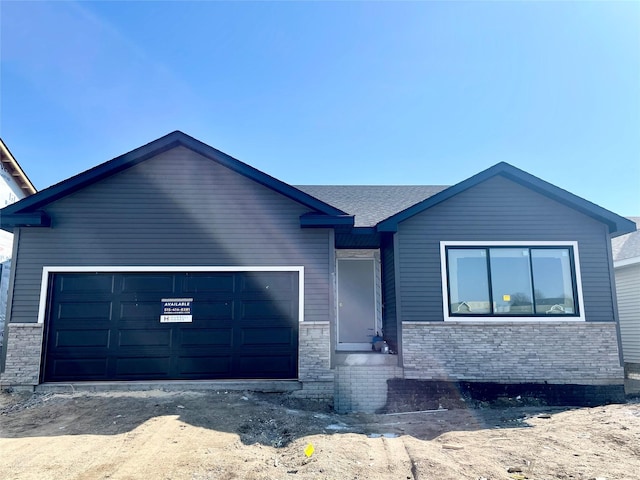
(353, 359)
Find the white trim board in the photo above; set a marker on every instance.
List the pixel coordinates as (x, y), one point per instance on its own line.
(519, 243)
(47, 270)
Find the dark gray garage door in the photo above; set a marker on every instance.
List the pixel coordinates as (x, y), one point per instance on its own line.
(106, 326)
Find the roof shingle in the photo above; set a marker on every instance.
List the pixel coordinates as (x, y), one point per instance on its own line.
(371, 203)
(627, 246)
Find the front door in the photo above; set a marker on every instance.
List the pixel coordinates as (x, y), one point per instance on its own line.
(356, 303)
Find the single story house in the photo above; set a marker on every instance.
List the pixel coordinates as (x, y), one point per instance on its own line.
(178, 262)
(626, 262)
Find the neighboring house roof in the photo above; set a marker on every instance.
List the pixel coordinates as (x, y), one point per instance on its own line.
(27, 211)
(626, 248)
(16, 171)
(370, 204)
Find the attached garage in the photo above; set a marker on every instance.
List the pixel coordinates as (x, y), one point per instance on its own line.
(109, 325)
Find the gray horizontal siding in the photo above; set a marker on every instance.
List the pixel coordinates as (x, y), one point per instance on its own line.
(177, 209)
(497, 210)
(628, 292)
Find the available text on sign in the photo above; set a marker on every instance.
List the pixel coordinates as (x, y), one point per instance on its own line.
(176, 310)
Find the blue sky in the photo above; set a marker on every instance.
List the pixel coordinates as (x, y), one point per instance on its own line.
(333, 92)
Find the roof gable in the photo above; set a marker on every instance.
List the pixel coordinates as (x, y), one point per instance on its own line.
(616, 224)
(26, 212)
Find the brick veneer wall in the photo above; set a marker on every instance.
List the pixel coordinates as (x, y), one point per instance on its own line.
(24, 348)
(362, 388)
(554, 352)
(314, 364)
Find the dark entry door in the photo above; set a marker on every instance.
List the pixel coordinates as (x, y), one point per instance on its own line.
(106, 326)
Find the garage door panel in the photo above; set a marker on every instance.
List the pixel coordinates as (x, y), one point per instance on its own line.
(242, 325)
(148, 283)
(208, 365)
(267, 309)
(266, 281)
(220, 283)
(213, 310)
(266, 336)
(144, 338)
(88, 368)
(145, 367)
(85, 283)
(82, 338)
(135, 310)
(213, 337)
(84, 311)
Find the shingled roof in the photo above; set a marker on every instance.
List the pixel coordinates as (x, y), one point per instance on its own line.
(371, 203)
(627, 246)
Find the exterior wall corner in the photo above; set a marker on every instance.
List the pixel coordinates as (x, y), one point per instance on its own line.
(314, 363)
(22, 361)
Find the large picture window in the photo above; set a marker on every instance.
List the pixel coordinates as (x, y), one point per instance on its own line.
(511, 280)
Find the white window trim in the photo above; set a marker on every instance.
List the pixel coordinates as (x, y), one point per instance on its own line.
(47, 270)
(497, 318)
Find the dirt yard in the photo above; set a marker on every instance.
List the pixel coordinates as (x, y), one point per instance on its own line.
(242, 435)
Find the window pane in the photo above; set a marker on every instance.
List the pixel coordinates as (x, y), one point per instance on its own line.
(511, 281)
(468, 281)
(553, 281)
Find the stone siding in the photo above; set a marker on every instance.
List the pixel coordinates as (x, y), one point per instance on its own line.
(553, 352)
(314, 364)
(24, 347)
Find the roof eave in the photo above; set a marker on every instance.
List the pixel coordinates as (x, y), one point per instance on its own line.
(616, 224)
(313, 220)
(16, 171)
(157, 147)
(31, 219)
